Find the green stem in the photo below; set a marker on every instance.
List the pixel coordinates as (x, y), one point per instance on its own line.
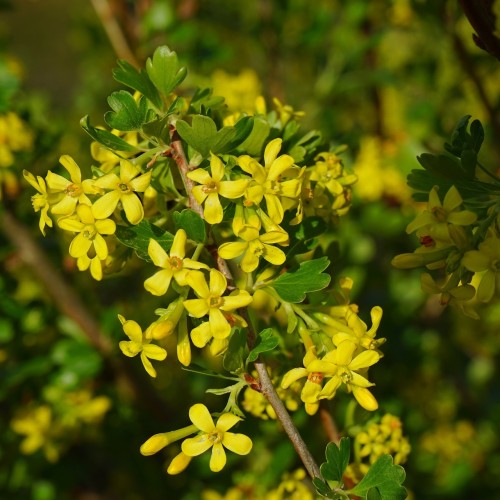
(197, 251)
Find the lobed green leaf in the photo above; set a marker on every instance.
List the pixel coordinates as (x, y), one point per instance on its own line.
(293, 286)
(266, 341)
(192, 223)
(106, 138)
(164, 70)
(127, 114)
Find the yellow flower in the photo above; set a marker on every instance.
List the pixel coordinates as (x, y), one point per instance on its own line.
(345, 373)
(210, 301)
(315, 370)
(486, 258)
(266, 181)
(286, 112)
(215, 436)
(123, 189)
(254, 246)
(213, 186)
(41, 202)
(438, 216)
(74, 190)
(140, 343)
(173, 265)
(89, 237)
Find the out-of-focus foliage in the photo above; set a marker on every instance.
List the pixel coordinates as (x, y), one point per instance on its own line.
(390, 80)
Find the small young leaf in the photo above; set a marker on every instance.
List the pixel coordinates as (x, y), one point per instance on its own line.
(164, 70)
(106, 138)
(323, 489)
(127, 114)
(386, 477)
(138, 80)
(236, 351)
(254, 143)
(138, 236)
(192, 223)
(293, 286)
(337, 460)
(266, 341)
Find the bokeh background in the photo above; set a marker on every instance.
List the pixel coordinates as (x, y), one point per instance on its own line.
(389, 79)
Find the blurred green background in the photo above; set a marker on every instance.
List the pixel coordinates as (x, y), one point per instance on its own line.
(388, 78)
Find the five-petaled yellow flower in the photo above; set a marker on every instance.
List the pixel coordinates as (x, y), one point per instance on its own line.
(266, 180)
(345, 373)
(215, 436)
(212, 186)
(123, 189)
(210, 301)
(254, 246)
(173, 265)
(90, 230)
(74, 191)
(140, 343)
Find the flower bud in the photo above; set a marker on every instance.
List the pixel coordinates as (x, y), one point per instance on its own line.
(178, 464)
(157, 442)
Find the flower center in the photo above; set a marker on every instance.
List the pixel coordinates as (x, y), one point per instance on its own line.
(215, 437)
(89, 232)
(211, 187)
(73, 190)
(124, 188)
(215, 301)
(427, 241)
(346, 377)
(439, 213)
(315, 377)
(175, 263)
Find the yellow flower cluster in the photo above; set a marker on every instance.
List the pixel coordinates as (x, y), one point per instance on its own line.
(15, 137)
(84, 207)
(345, 364)
(51, 427)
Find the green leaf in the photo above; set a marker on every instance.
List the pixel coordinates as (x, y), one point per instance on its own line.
(138, 80)
(337, 460)
(266, 341)
(323, 489)
(138, 236)
(164, 70)
(158, 129)
(192, 223)
(303, 236)
(477, 135)
(106, 138)
(254, 143)
(293, 286)
(468, 159)
(127, 114)
(203, 99)
(442, 166)
(386, 477)
(203, 136)
(236, 352)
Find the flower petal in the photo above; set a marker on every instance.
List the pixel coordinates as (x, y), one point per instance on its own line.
(127, 171)
(79, 246)
(235, 301)
(195, 446)
(218, 458)
(218, 324)
(133, 331)
(71, 166)
(201, 335)
(196, 280)
(212, 209)
(272, 150)
(217, 168)
(132, 205)
(232, 250)
(141, 183)
(108, 181)
(237, 443)
(274, 255)
(365, 398)
(100, 246)
(200, 416)
(233, 189)
(158, 283)
(196, 307)
(105, 226)
(218, 283)
(148, 366)
(178, 248)
(226, 421)
(200, 175)
(278, 166)
(364, 360)
(292, 376)
(130, 348)
(105, 205)
(154, 352)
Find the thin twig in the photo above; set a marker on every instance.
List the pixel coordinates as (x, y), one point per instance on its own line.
(266, 385)
(114, 32)
(69, 304)
(328, 423)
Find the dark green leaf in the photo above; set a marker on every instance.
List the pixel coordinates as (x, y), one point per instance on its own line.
(323, 489)
(266, 341)
(468, 159)
(477, 135)
(203, 99)
(106, 138)
(236, 351)
(158, 128)
(337, 460)
(303, 236)
(254, 143)
(138, 236)
(192, 223)
(293, 286)
(386, 477)
(164, 70)
(125, 73)
(127, 114)
(442, 166)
